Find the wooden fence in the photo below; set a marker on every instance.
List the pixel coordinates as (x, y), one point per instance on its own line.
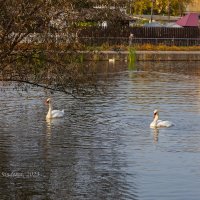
(141, 32)
(98, 41)
(140, 35)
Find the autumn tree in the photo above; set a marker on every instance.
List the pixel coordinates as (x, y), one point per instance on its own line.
(38, 43)
(175, 7)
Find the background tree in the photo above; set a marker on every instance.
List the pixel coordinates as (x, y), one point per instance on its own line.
(177, 7)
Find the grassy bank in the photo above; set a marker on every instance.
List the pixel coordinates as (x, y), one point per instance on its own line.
(106, 47)
(145, 47)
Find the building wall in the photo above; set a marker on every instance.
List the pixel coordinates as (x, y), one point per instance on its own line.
(194, 7)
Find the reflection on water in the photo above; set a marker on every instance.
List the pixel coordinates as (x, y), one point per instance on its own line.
(155, 135)
(181, 67)
(103, 148)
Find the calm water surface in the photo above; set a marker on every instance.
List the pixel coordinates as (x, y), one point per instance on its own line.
(103, 148)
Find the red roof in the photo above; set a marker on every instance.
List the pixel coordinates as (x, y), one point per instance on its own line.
(191, 19)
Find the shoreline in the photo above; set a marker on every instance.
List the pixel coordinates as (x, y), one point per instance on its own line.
(113, 56)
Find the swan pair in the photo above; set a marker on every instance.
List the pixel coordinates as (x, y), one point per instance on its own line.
(156, 123)
(53, 113)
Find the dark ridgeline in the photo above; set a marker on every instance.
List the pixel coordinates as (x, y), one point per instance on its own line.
(141, 35)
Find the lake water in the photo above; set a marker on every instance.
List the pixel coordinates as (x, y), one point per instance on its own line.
(103, 148)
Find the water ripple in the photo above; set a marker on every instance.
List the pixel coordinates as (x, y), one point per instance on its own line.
(103, 147)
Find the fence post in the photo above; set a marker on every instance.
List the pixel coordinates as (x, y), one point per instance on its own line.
(130, 39)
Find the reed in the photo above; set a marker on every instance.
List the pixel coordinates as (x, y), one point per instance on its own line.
(131, 59)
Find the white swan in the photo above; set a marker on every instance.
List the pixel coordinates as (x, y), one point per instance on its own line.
(53, 113)
(111, 60)
(159, 123)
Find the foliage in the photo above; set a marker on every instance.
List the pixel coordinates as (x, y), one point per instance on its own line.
(172, 7)
(79, 4)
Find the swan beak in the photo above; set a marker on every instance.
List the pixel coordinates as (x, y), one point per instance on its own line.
(47, 102)
(154, 115)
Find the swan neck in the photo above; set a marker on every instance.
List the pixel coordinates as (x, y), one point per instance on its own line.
(49, 112)
(50, 106)
(156, 118)
(154, 122)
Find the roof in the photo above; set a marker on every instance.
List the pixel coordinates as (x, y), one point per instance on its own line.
(190, 19)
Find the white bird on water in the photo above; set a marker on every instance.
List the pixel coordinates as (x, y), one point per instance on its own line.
(156, 123)
(53, 113)
(111, 60)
